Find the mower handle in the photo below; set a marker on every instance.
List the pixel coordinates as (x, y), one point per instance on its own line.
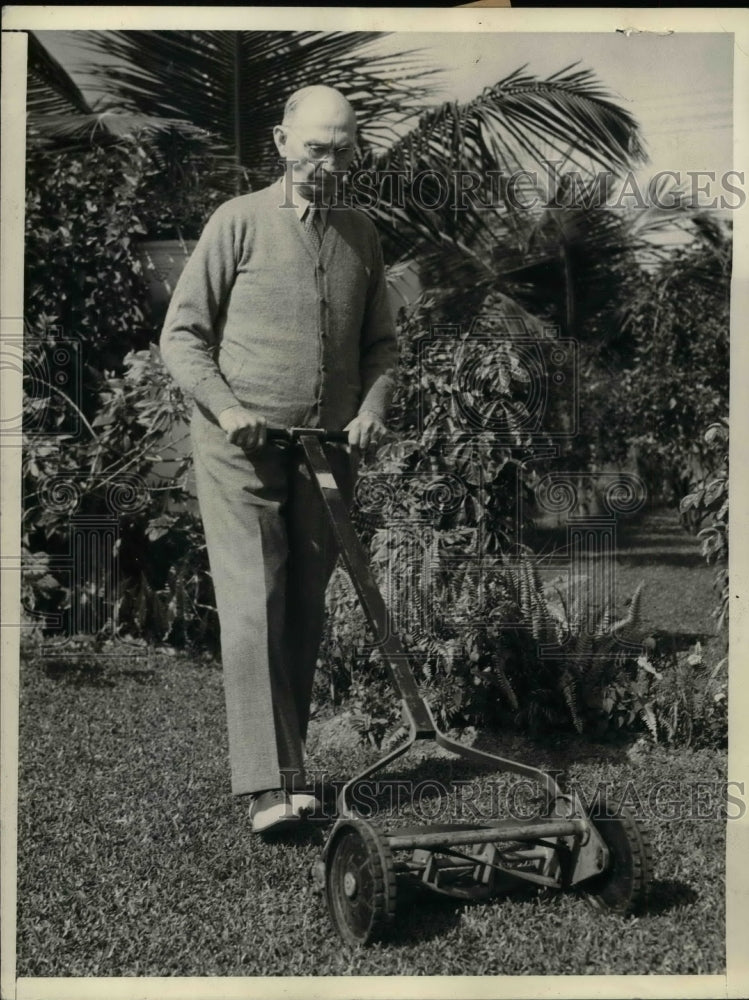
(291, 435)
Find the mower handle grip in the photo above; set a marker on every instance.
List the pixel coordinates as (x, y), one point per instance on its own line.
(291, 435)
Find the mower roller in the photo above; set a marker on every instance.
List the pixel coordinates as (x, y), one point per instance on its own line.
(602, 853)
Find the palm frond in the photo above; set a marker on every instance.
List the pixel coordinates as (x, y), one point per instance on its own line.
(98, 126)
(522, 122)
(233, 84)
(59, 115)
(50, 89)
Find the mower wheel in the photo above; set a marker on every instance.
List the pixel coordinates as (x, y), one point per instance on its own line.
(625, 884)
(360, 882)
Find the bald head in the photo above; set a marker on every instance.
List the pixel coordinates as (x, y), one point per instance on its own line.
(318, 101)
(317, 139)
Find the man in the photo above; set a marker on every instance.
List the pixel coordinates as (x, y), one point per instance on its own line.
(280, 318)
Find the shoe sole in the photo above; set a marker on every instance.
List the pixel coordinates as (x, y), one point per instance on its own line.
(283, 822)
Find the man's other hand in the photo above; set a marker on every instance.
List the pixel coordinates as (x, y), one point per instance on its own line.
(243, 427)
(365, 431)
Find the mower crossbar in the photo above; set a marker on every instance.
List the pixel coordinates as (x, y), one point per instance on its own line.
(503, 830)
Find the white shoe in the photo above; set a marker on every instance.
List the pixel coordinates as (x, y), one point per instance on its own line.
(303, 804)
(276, 810)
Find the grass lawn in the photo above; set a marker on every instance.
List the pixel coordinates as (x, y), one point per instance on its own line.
(135, 860)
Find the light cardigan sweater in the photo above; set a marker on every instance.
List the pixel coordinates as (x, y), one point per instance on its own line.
(259, 318)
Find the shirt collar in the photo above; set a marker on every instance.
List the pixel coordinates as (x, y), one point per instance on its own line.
(301, 204)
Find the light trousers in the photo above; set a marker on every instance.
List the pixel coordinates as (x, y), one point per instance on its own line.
(271, 553)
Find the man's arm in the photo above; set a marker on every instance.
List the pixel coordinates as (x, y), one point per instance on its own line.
(379, 345)
(378, 359)
(189, 336)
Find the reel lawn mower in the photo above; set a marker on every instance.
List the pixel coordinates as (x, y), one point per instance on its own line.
(602, 853)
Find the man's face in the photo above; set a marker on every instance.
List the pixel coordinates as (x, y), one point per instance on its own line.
(317, 143)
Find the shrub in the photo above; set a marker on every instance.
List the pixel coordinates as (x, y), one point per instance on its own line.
(708, 502)
(99, 408)
(503, 650)
(687, 704)
(438, 509)
(677, 381)
(158, 573)
(82, 276)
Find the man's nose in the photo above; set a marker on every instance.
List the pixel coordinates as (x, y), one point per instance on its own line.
(326, 169)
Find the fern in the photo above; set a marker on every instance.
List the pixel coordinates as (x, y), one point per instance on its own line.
(604, 623)
(524, 589)
(539, 611)
(578, 618)
(628, 629)
(534, 606)
(648, 716)
(583, 652)
(567, 684)
(506, 688)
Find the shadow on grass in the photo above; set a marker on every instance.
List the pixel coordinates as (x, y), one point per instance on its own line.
(667, 894)
(312, 832)
(660, 557)
(140, 676)
(679, 642)
(555, 751)
(650, 537)
(78, 674)
(390, 793)
(423, 915)
(94, 674)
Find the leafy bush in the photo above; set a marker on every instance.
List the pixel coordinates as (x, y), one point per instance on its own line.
(438, 509)
(158, 573)
(461, 416)
(686, 704)
(82, 275)
(185, 182)
(100, 411)
(677, 382)
(510, 652)
(708, 502)
(442, 478)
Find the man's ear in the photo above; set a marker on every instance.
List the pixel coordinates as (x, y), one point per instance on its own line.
(279, 137)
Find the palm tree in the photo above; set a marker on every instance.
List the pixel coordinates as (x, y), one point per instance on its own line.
(60, 117)
(231, 84)
(50, 90)
(220, 92)
(521, 123)
(583, 260)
